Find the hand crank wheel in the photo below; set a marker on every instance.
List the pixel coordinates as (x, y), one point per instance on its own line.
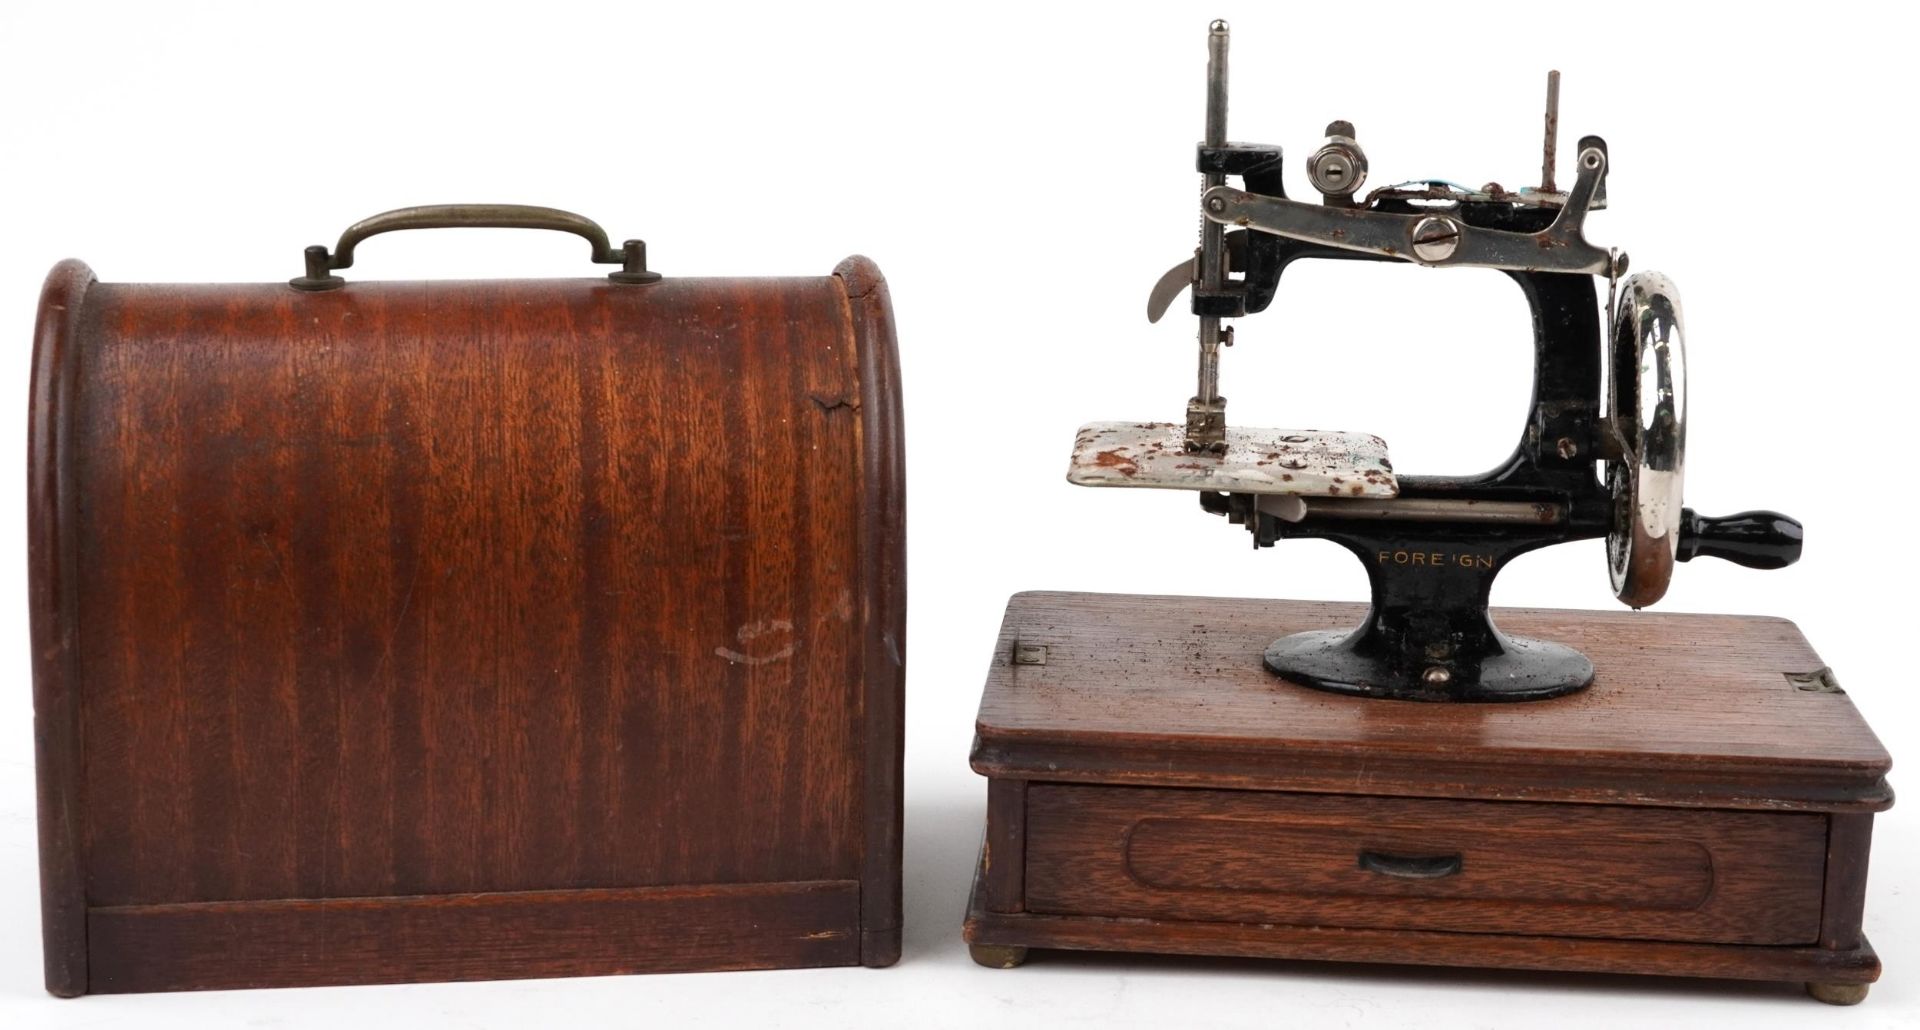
(1647, 409)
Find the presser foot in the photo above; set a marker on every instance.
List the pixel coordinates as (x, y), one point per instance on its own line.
(1513, 669)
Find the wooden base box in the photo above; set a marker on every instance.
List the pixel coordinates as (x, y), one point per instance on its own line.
(1704, 809)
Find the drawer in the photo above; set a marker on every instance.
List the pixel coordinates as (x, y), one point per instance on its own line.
(1414, 864)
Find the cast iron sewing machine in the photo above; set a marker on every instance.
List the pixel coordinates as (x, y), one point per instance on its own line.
(1602, 454)
(1703, 807)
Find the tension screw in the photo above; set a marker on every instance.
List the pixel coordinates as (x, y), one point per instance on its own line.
(1331, 172)
(1339, 167)
(1435, 238)
(1436, 676)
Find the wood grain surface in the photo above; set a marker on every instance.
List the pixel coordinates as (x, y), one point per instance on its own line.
(438, 588)
(1849, 845)
(1420, 947)
(52, 554)
(238, 944)
(1690, 710)
(882, 537)
(1523, 868)
(1003, 855)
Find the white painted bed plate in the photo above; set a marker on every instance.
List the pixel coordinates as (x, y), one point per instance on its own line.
(1300, 462)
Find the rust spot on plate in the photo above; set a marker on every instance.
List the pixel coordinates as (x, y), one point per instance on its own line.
(1118, 462)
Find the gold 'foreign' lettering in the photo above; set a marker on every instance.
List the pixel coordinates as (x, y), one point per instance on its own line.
(1435, 559)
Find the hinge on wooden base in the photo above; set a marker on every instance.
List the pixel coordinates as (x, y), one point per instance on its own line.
(1029, 654)
(1821, 681)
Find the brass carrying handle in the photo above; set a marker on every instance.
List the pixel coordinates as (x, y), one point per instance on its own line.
(1410, 867)
(321, 263)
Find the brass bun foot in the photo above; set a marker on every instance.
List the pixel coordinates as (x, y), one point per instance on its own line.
(996, 956)
(1835, 994)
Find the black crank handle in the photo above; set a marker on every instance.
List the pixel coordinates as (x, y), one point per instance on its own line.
(1756, 539)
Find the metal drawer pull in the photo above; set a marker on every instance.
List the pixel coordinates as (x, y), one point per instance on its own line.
(1410, 867)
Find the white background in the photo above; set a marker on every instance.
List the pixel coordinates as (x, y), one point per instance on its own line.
(1022, 173)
